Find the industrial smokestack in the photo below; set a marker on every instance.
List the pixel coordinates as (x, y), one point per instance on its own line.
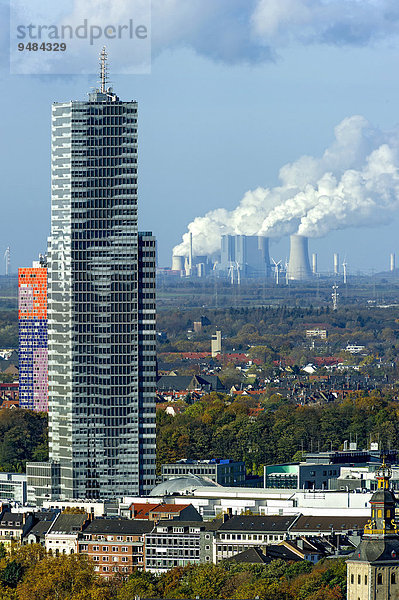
(393, 260)
(298, 264)
(190, 256)
(336, 264)
(314, 263)
(177, 263)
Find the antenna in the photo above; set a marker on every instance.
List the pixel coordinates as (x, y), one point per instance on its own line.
(334, 297)
(103, 70)
(276, 269)
(7, 258)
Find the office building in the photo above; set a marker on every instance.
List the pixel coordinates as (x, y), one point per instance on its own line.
(101, 304)
(179, 544)
(32, 318)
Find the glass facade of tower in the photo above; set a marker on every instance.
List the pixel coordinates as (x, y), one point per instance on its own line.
(101, 305)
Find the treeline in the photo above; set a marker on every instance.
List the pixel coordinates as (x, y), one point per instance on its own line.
(29, 572)
(282, 329)
(217, 427)
(23, 438)
(8, 328)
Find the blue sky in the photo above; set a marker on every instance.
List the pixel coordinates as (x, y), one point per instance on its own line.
(236, 90)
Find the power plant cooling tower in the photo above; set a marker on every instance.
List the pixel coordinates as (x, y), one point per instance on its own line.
(298, 264)
(177, 263)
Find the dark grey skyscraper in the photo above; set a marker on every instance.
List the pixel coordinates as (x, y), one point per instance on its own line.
(101, 304)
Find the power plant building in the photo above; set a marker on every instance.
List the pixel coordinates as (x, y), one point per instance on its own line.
(102, 356)
(247, 253)
(32, 321)
(298, 264)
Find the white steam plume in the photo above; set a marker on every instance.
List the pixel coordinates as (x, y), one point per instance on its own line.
(354, 183)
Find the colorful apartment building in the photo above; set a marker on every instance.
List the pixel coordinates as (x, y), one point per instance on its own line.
(32, 315)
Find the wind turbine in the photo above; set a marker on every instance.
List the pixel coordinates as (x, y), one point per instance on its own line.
(231, 274)
(238, 273)
(276, 269)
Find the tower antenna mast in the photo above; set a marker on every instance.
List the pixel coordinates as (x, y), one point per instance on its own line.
(103, 70)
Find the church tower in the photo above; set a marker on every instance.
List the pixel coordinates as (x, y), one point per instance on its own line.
(373, 569)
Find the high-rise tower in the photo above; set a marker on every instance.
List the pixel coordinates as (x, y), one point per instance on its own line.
(32, 318)
(101, 303)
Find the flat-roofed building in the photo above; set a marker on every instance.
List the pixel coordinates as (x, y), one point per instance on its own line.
(179, 543)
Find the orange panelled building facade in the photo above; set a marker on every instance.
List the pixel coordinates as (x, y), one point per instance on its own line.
(32, 315)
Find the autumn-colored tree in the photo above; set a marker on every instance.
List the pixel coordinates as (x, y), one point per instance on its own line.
(142, 584)
(66, 577)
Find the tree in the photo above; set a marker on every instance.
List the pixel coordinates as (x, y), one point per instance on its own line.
(11, 574)
(66, 577)
(142, 584)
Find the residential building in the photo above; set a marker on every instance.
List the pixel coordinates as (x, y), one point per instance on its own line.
(327, 525)
(242, 532)
(181, 512)
(115, 545)
(32, 317)
(189, 383)
(225, 472)
(101, 305)
(41, 526)
(14, 526)
(179, 543)
(62, 537)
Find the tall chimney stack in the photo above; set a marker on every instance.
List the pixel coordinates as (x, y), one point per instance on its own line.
(393, 260)
(190, 256)
(298, 264)
(314, 263)
(336, 263)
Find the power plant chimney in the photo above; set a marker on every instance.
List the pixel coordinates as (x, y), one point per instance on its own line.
(336, 264)
(190, 256)
(298, 264)
(393, 261)
(314, 263)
